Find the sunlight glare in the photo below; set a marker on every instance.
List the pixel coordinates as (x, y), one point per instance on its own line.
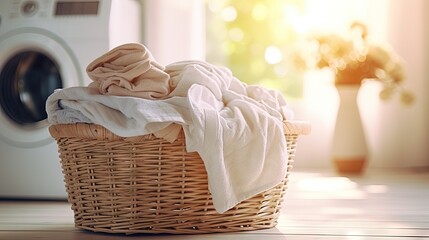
(342, 211)
(273, 55)
(229, 14)
(298, 21)
(215, 5)
(376, 188)
(330, 188)
(327, 184)
(355, 235)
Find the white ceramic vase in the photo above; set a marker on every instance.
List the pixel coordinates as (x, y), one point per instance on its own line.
(349, 149)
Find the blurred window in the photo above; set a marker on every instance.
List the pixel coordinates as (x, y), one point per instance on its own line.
(257, 39)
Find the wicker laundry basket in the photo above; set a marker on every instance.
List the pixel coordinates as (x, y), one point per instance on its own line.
(147, 185)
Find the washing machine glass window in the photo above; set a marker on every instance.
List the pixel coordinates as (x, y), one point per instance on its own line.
(26, 81)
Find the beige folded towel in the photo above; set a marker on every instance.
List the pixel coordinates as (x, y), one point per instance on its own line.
(129, 70)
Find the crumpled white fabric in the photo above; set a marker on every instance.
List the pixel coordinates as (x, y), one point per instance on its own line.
(242, 122)
(236, 129)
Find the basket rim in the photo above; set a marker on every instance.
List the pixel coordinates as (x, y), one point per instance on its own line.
(95, 131)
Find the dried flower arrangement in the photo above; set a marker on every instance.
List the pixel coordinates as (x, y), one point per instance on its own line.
(355, 59)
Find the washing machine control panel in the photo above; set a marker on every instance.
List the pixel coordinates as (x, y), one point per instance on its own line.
(27, 8)
(47, 8)
(70, 8)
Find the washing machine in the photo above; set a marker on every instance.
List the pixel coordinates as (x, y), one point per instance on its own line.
(46, 45)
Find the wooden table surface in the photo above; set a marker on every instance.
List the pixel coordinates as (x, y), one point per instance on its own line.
(319, 204)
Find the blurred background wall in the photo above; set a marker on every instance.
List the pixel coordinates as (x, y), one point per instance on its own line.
(397, 135)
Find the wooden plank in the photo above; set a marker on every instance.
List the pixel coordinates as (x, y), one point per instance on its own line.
(318, 205)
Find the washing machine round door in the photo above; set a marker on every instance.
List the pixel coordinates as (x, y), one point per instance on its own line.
(32, 66)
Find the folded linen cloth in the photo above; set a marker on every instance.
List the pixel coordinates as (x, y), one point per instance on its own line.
(129, 70)
(70, 115)
(237, 129)
(124, 116)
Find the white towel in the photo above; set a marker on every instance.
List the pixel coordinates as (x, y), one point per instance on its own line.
(236, 129)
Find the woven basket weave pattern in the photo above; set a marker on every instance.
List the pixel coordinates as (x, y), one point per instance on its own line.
(147, 185)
